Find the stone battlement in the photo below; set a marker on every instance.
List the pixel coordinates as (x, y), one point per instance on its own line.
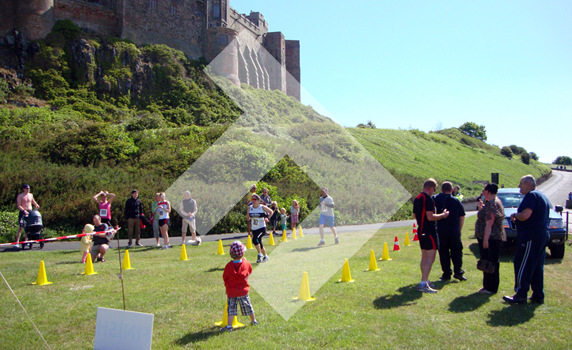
(186, 25)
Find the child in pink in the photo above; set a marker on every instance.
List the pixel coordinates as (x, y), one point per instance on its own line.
(235, 278)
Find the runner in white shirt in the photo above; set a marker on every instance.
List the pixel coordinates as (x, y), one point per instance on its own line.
(257, 215)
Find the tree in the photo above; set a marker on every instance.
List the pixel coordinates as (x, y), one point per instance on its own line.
(370, 124)
(534, 156)
(525, 157)
(474, 130)
(563, 160)
(507, 152)
(517, 150)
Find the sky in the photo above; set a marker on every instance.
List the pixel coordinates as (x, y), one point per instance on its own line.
(429, 65)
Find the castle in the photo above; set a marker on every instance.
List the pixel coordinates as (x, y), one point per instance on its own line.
(200, 28)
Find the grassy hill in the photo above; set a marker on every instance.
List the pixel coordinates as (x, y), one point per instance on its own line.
(412, 155)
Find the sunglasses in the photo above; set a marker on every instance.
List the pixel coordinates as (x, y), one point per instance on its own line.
(254, 199)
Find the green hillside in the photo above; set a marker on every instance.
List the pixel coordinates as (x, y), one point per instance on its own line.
(412, 155)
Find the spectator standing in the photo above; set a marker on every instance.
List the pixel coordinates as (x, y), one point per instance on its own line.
(104, 206)
(248, 203)
(449, 232)
(424, 214)
(163, 210)
(532, 219)
(265, 198)
(24, 202)
(235, 277)
(294, 213)
(156, 231)
(275, 216)
(458, 194)
(188, 211)
(133, 212)
(490, 233)
(327, 216)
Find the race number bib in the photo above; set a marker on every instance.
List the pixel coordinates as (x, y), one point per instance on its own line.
(103, 213)
(257, 223)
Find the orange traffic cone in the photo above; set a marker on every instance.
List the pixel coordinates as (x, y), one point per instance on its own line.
(415, 237)
(396, 245)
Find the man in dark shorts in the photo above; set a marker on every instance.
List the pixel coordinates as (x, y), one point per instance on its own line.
(424, 214)
(449, 232)
(532, 219)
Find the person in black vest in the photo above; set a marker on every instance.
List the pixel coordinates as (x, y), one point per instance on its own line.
(133, 212)
(424, 214)
(100, 240)
(188, 211)
(532, 220)
(449, 232)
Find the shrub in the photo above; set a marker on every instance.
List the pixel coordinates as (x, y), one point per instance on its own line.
(525, 158)
(507, 152)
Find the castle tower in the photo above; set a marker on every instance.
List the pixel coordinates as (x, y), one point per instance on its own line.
(293, 67)
(221, 39)
(35, 18)
(275, 44)
(218, 12)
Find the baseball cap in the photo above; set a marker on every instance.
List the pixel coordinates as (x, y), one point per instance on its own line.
(237, 250)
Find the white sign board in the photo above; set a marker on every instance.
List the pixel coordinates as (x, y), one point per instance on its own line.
(122, 330)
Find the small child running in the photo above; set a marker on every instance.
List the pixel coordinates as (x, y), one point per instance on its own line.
(235, 278)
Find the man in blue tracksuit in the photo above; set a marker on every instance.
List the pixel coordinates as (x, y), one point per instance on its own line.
(532, 219)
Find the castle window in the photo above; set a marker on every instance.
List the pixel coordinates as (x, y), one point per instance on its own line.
(216, 11)
(153, 4)
(222, 39)
(173, 9)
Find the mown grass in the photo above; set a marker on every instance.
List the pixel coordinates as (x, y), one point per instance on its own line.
(379, 310)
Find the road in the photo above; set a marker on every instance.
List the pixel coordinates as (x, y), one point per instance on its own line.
(557, 187)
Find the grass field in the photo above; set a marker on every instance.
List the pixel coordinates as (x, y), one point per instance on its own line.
(380, 309)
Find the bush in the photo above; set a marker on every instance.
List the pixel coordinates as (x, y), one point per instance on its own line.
(525, 157)
(507, 152)
(8, 226)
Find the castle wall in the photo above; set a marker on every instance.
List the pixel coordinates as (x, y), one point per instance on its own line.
(7, 16)
(275, 44)
(176, 23)
(34, 18)
(293, 67)
(98, 18)
(221, 39)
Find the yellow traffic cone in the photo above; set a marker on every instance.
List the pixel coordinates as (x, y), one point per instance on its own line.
(271, 239)
(372, 262)
(406, 243)
(284, 238)
(346, 275)
(300, 233)
(294, 233)
(220, 250)
(126, 262)
(249, 243)
(385, 254)
(224, 322)
(184, 253)
(89, 267)
(305, 290)
(42, 278)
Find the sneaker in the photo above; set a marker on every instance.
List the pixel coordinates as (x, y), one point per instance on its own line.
(259, 260)
(265, 259)
(226, 329)
(169, 246)
(129, 245)
(17, 246)
(460, 277)
(254, 323)
(165, 247)
(425, 288)
(158, 245)
(445, 278)
(321, 243)
(139, 244)
(431, 284)
(336, 239)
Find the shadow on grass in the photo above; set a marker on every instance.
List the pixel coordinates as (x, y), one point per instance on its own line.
(307, 249)
(512, 315)
(215, 269)
(407, 296)
(469, 302)
(69, 263)
(198, 336)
